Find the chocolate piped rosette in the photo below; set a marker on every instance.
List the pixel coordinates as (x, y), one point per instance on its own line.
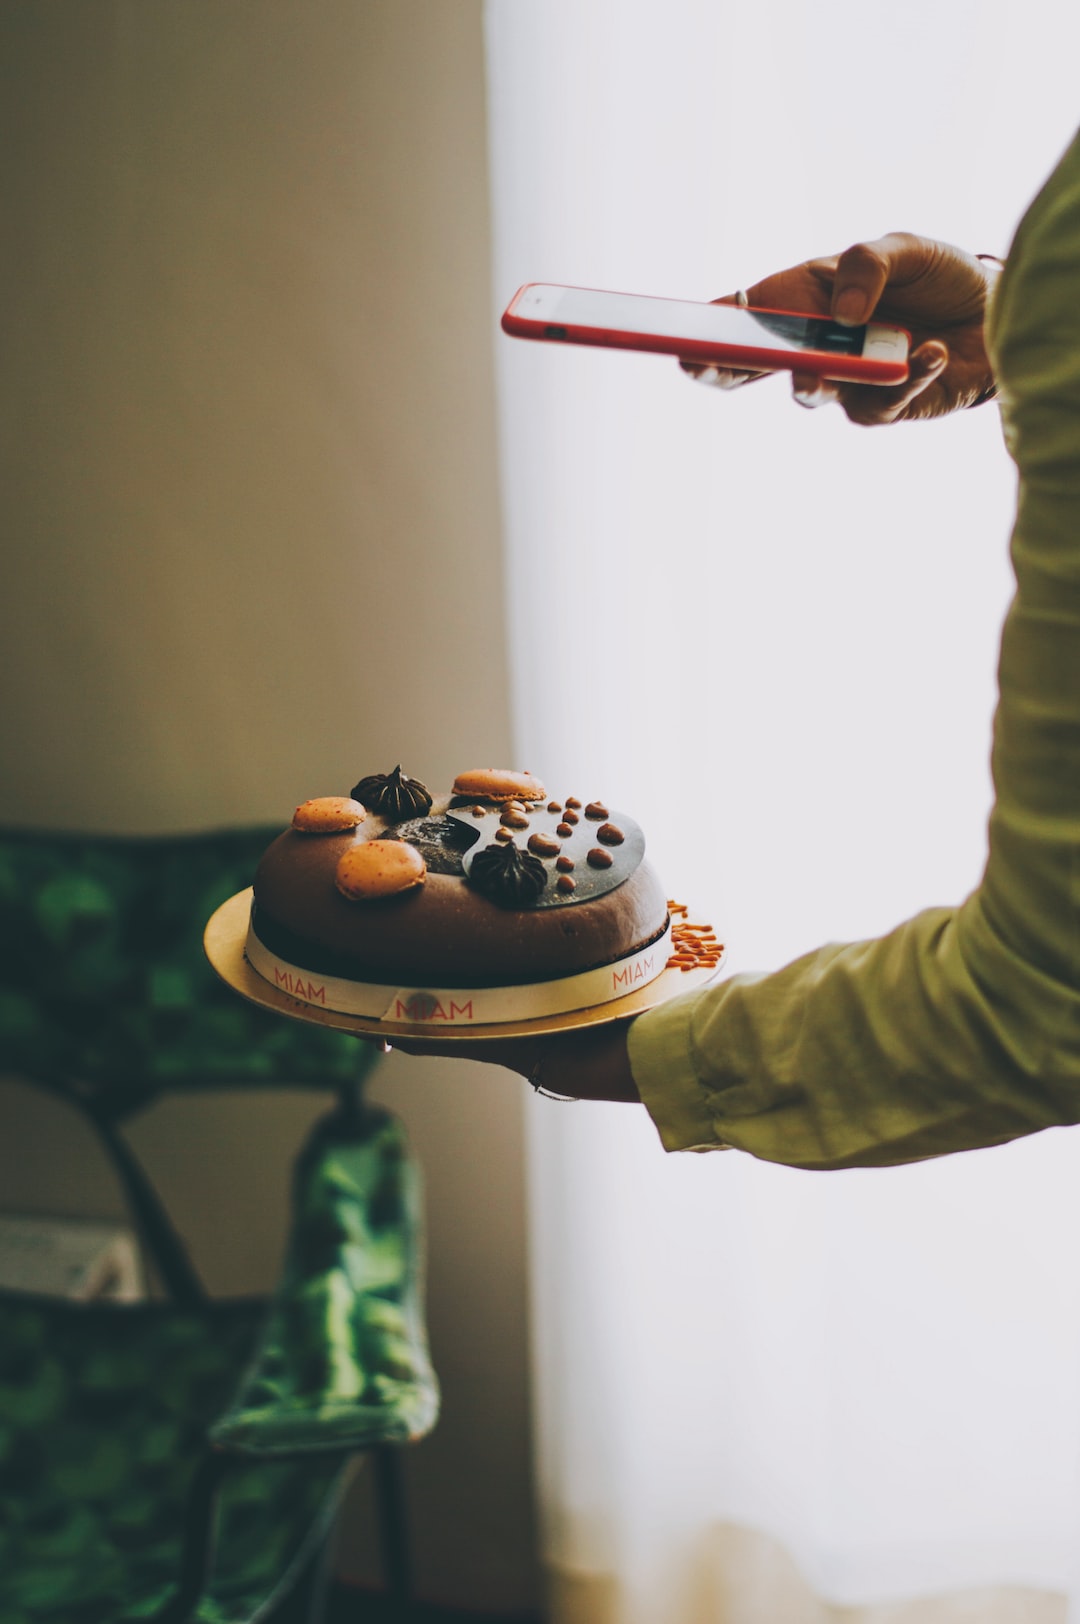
(494, 902)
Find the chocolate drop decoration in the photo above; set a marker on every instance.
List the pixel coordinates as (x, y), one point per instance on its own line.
(508, 875)
(393, 796)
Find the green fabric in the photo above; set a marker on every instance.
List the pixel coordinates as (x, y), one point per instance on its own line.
(344, 1360)
(962, 1027)
(103, 979)
(103, 1414)
(105, 1411)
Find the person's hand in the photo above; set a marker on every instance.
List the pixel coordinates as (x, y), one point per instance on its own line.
(591, 1064)
(936, 291)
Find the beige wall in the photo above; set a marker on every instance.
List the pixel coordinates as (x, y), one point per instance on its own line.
(252, 552)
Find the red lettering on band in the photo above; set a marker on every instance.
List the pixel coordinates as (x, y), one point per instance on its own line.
(423, 1006)
(637, 971)
(296, 987)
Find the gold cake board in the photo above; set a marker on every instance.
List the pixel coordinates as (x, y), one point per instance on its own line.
(226, 933)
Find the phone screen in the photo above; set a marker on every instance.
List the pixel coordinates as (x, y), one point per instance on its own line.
(682, 318)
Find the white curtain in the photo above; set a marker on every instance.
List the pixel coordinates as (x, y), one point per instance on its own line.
(765, 1394)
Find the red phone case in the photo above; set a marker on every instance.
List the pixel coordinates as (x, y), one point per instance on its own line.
(743, 358)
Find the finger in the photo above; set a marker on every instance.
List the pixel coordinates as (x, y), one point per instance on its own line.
(810, 391)
(515, 1054)
(868, 406)
(719, 377)
(864, 270)
(454, 1050)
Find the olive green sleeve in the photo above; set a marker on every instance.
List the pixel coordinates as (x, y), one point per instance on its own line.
(961, 1028)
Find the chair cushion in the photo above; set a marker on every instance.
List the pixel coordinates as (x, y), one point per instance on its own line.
(344, 1362)
(103, 1417)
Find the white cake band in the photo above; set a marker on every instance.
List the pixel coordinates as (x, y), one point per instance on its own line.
(460, 1006)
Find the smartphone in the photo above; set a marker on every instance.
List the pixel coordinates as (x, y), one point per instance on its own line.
(725, 335)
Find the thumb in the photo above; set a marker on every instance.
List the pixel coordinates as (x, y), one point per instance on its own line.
(864, 270)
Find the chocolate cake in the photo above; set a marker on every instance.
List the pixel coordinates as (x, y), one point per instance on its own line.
(491, 902)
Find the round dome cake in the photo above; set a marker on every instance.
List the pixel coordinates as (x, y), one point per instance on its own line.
(492, 902)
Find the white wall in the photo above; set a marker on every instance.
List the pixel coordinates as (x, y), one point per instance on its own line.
(252, 552)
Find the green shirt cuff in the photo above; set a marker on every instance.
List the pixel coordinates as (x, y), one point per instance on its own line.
(660, 1047)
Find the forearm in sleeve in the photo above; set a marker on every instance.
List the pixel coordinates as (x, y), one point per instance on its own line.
(962, 1027)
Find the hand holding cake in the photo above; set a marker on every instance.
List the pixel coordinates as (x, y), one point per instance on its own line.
(592, 1064)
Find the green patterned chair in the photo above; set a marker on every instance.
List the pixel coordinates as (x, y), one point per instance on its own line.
(182, 1459)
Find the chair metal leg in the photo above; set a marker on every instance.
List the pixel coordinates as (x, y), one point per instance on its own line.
(199, 1540)
(156, 1230)
(393, 1522)
(307, 1596)
(320, 1584)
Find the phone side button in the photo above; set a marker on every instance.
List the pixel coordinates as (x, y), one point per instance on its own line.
(554, 332)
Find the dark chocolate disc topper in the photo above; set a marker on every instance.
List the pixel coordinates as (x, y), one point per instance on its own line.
(574, 850)
(590, 848)
(393, 796)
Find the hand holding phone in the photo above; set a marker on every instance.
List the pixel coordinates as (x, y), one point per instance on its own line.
(934, 290)
(746, 339)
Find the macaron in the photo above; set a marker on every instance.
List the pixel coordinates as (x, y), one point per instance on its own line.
(328, 815)
(371, 869)
(499, 784)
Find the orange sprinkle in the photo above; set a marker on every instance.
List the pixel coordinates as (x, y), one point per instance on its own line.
(693, 946)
